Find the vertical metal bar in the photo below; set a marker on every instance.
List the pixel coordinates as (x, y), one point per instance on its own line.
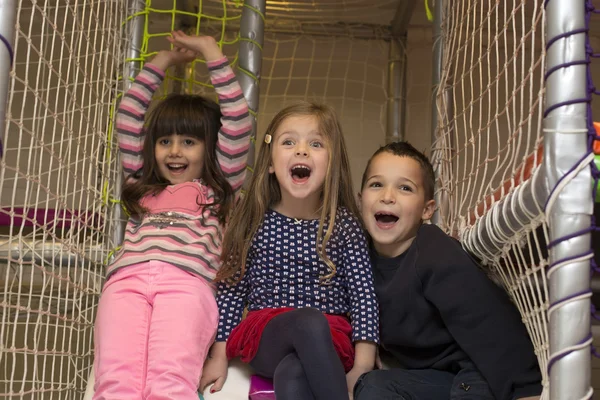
(396, 106)
(436, 76)
(187, 23)
(252, 28)
(132, 66)
(569, 207)
(8, 10)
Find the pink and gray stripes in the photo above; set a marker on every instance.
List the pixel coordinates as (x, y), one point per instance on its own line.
(190, 240)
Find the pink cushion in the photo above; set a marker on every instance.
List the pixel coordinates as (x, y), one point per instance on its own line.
(261, 388)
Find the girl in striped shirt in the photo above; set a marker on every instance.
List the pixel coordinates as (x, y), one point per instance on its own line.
(184, 168)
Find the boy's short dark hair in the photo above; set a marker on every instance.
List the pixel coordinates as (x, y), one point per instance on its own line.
(405, 149)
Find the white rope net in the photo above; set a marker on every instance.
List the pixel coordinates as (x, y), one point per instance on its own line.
(54, 206)
(488, 147)
(58, 173)
(333, 51)
(345, 72)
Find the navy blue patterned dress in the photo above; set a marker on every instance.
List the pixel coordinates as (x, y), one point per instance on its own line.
(284, 270)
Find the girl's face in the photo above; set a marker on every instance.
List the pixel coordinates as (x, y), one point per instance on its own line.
(179, 158)
(299, 159)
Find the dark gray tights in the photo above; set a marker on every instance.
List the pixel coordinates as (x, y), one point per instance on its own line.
(296, 350)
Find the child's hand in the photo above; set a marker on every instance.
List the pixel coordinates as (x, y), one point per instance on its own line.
(205, 45)
(353, 375)
(378, 363)
(215, 369)
(167, 58)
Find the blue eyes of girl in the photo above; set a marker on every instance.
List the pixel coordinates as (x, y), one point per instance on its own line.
(291, 143)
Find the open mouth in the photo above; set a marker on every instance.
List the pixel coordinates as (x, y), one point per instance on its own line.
(386, 219)
(176, 168)
(300, 173)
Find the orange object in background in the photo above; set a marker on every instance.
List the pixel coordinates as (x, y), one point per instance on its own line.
(596, 141)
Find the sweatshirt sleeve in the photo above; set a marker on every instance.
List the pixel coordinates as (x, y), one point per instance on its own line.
(481, 318)
(236, 124)
(231, 300)
(130, 117)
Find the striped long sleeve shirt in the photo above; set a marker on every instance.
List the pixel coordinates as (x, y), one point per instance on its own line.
(178, 229)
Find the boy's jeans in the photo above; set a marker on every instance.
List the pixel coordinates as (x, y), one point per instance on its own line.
(422, 384)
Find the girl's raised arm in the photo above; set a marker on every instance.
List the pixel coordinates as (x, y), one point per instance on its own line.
(234, 135)
(236, 125)
(130, 117)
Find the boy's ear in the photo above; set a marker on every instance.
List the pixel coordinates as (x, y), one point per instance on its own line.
(428, 210)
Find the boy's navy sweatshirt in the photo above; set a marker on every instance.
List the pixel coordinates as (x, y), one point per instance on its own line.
(439, 308)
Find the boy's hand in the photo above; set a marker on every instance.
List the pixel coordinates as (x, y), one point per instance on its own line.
(167, 58)
(205, 45)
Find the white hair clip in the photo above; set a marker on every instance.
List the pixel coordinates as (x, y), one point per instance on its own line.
(268, 139)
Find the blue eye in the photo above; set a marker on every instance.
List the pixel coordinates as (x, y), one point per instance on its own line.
(288, 142)
(316, 144)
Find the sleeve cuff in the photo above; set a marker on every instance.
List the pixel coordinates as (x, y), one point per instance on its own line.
(154, 69)
(527, 391)
(216, 64)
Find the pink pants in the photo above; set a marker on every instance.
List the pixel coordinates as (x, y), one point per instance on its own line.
(154, 327)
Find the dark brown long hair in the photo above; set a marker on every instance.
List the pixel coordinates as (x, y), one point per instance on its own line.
(188, 115)
(264, 192)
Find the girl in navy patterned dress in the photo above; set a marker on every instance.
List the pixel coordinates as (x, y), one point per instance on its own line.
(295, 255)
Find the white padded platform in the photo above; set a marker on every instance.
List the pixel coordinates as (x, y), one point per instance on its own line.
(236, 386)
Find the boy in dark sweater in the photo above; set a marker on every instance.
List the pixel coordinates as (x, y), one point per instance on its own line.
(454, 332)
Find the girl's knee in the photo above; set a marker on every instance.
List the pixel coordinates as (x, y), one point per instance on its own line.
(289, 369)
(311, 322)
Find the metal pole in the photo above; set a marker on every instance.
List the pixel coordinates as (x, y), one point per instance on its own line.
(396, 106)
(436, 77)
(569, 206)
(8, 9)
(398, 61)
(252, 31)
(135, 36)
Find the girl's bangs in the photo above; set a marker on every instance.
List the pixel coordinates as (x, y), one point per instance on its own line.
(174, 117)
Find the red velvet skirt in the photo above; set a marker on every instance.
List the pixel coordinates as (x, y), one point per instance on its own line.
(244, 339)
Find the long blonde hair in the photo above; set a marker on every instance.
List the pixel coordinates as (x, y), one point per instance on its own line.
(264, 192)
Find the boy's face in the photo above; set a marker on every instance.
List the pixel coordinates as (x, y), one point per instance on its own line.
(393, 204)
